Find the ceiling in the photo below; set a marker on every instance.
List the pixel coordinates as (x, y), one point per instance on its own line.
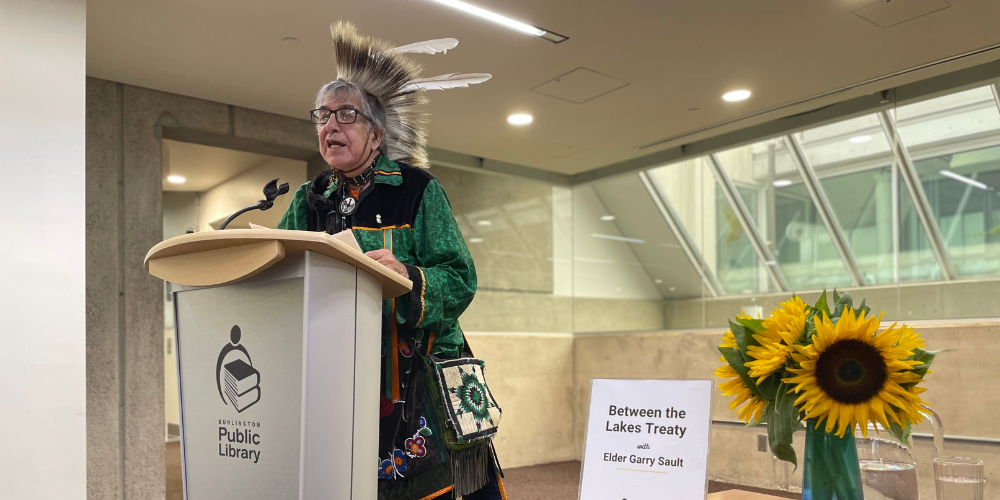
(674, 56)
(204, 167)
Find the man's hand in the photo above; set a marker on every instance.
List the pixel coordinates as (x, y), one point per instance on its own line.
(387, 259)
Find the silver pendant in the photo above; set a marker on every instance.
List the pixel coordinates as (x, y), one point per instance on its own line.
(348, 205)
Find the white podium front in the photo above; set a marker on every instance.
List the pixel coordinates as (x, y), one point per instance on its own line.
(278, 355)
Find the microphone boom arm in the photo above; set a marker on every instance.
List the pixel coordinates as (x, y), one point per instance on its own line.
(271, 191)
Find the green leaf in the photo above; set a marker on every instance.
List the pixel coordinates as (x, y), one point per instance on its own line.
(424, 431)
(783, 421)
(926, 358)
(736, 359)
(743, 335)
(863, 307)
(807, 336)
(769, 387)
(899, 432)
(822, 305)
(836, 296)
(840, 305)
(753, 324)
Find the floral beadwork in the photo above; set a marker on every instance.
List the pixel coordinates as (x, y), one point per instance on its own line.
(394, 466)
(400, 461)
(385, 469)
(405, 349)
(414, 447)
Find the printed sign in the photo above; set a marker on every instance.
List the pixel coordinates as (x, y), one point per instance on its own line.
(646, 438)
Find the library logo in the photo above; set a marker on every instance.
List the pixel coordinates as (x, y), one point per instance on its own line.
(238, 381)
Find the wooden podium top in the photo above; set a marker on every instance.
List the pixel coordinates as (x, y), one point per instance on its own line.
(221, 257)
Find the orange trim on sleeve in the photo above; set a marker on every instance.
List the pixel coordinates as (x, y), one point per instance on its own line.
(439, 493)
(503, 492)
(423, 288)
(361, 228)
(430, 343)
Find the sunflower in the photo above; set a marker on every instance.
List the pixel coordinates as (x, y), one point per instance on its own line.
(735, 387)
(852, 375)
(781, 331)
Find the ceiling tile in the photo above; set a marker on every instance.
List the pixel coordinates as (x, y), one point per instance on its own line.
(580, 86)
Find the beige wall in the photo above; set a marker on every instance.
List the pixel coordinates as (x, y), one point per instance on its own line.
(531, 377)
(246, 189)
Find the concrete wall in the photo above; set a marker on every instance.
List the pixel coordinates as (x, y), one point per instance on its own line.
(42, 340)
(125, 347)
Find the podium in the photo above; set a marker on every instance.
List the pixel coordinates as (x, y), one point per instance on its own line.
(278, 356)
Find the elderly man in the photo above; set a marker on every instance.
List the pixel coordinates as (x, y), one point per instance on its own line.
(400, 216)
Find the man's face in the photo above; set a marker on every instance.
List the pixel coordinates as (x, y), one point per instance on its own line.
(347, 146)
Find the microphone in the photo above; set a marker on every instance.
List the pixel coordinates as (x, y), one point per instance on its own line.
(271, 191)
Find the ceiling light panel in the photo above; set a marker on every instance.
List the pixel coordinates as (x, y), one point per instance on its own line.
(504, 20)
(520, 119)
(736, 96)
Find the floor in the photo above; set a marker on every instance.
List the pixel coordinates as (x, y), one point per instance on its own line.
(558, 481)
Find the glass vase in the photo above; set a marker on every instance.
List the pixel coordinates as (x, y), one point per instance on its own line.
(831, 470)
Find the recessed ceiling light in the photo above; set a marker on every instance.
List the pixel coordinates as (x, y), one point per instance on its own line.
(673, 289)
(608, 217)
(485, 222)
(658, 281)
(504, 20)
(176, 179)
(782, 183)
(290, 39)
(520, 119)
(858, 139)
(736, 95)
(475, 240)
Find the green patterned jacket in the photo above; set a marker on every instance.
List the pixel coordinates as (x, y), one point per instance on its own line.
(406, 210)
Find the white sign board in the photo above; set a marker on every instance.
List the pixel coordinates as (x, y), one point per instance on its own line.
(646, 438)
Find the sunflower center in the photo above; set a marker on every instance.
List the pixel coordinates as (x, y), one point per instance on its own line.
(851, 371)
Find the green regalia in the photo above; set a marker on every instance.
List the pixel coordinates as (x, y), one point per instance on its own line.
(405, 209)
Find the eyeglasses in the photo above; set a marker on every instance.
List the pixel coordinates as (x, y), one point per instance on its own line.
(344, 116)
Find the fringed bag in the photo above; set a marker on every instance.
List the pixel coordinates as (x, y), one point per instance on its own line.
(470, 415)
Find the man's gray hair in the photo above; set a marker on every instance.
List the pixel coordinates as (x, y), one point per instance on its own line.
(370, 105)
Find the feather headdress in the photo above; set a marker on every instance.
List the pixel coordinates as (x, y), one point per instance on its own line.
(383, 70)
